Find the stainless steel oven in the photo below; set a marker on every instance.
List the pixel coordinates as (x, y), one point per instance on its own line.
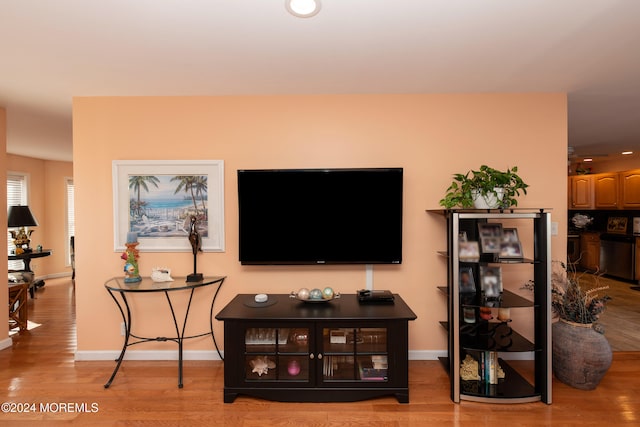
(618, 255)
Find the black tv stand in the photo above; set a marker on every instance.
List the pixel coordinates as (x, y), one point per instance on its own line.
(293, 351)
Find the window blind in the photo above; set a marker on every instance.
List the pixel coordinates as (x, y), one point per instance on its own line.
(16, 195)
(71, 222)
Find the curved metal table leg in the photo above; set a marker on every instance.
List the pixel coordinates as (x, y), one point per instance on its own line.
(180, 333)
(127, 321)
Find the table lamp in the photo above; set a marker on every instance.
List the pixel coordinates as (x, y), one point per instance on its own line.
(21, 217)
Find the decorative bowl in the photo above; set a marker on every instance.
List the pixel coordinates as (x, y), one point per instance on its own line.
(294, 295)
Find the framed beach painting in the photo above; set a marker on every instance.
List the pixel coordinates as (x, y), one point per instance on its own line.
(155, 200)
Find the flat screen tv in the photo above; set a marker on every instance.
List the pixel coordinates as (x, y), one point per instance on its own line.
(320, 216)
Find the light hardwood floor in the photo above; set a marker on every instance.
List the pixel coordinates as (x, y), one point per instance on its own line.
(39, 368)
(621, 319)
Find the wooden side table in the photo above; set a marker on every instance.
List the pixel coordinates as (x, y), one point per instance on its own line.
(26, 258)
(18, 311)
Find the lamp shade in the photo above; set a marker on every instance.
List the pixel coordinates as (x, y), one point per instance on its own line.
(21, 216)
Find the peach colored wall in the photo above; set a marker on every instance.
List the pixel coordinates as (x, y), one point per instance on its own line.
(47, 199)
(430, 136)
(4, 297)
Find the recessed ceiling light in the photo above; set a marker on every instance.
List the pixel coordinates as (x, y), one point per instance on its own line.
(627, 152)
(303, 8)
(588, 159)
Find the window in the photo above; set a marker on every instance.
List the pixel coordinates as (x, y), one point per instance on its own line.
(71, 222)
(16, 195)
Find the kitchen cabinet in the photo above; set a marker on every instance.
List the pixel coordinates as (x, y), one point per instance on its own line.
(590, 247)
(581, 191)
(611, 190)
(605, 189)
(630, 189)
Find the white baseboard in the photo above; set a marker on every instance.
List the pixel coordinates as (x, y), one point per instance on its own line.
(426, 354)
(6, 343)
(53, 276)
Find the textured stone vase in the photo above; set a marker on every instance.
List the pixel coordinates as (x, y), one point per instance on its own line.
(581, 356)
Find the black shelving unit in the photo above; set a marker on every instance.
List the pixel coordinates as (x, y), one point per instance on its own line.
(492, 335)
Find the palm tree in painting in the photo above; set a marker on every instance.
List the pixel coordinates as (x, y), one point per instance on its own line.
(138, 183)
(194, 185)
(201, 190)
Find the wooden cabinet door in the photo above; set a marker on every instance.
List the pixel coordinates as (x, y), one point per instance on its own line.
(582, 192)
(590, 251)
(630, 192)
(605, 188)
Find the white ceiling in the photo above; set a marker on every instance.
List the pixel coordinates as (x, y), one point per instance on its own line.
(52, 51)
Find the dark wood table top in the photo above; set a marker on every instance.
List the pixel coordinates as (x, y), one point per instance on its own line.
(283, 307)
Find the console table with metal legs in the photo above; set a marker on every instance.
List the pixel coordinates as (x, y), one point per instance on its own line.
(117, 287)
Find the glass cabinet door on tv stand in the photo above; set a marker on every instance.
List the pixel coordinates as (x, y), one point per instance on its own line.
(288, 354)
(489, 357)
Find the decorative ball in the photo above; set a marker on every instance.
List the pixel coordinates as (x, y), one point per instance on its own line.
(293, 368)
(327, 293)
(315, 294)
(485, 313)
(303, 293)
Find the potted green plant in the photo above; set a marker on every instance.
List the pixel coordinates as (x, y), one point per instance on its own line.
(581, 354)
(485, 188)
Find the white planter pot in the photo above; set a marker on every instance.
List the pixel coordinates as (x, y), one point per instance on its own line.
(490, 200)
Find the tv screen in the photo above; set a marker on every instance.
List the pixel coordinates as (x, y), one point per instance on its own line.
(320, 216)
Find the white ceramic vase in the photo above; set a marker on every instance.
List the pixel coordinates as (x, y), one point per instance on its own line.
(490, 200)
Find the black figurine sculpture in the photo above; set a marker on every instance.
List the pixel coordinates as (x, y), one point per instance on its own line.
(196, 246)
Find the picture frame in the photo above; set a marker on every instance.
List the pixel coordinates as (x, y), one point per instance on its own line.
(617, 224)
(511, 250)
(510, 246)
(490, 236)
(468, 251)
(490, 244)
(155, 199)
(510, 235)
(491, 281)
(467, 283)
(490, 229)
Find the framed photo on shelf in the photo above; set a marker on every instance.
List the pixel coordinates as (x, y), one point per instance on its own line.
(467, 284)
(510, 235)
(490, 236)
(510, 246)
(468, 251)
(490, 229)
(490, 244)
(490, 281)
(510, 250)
